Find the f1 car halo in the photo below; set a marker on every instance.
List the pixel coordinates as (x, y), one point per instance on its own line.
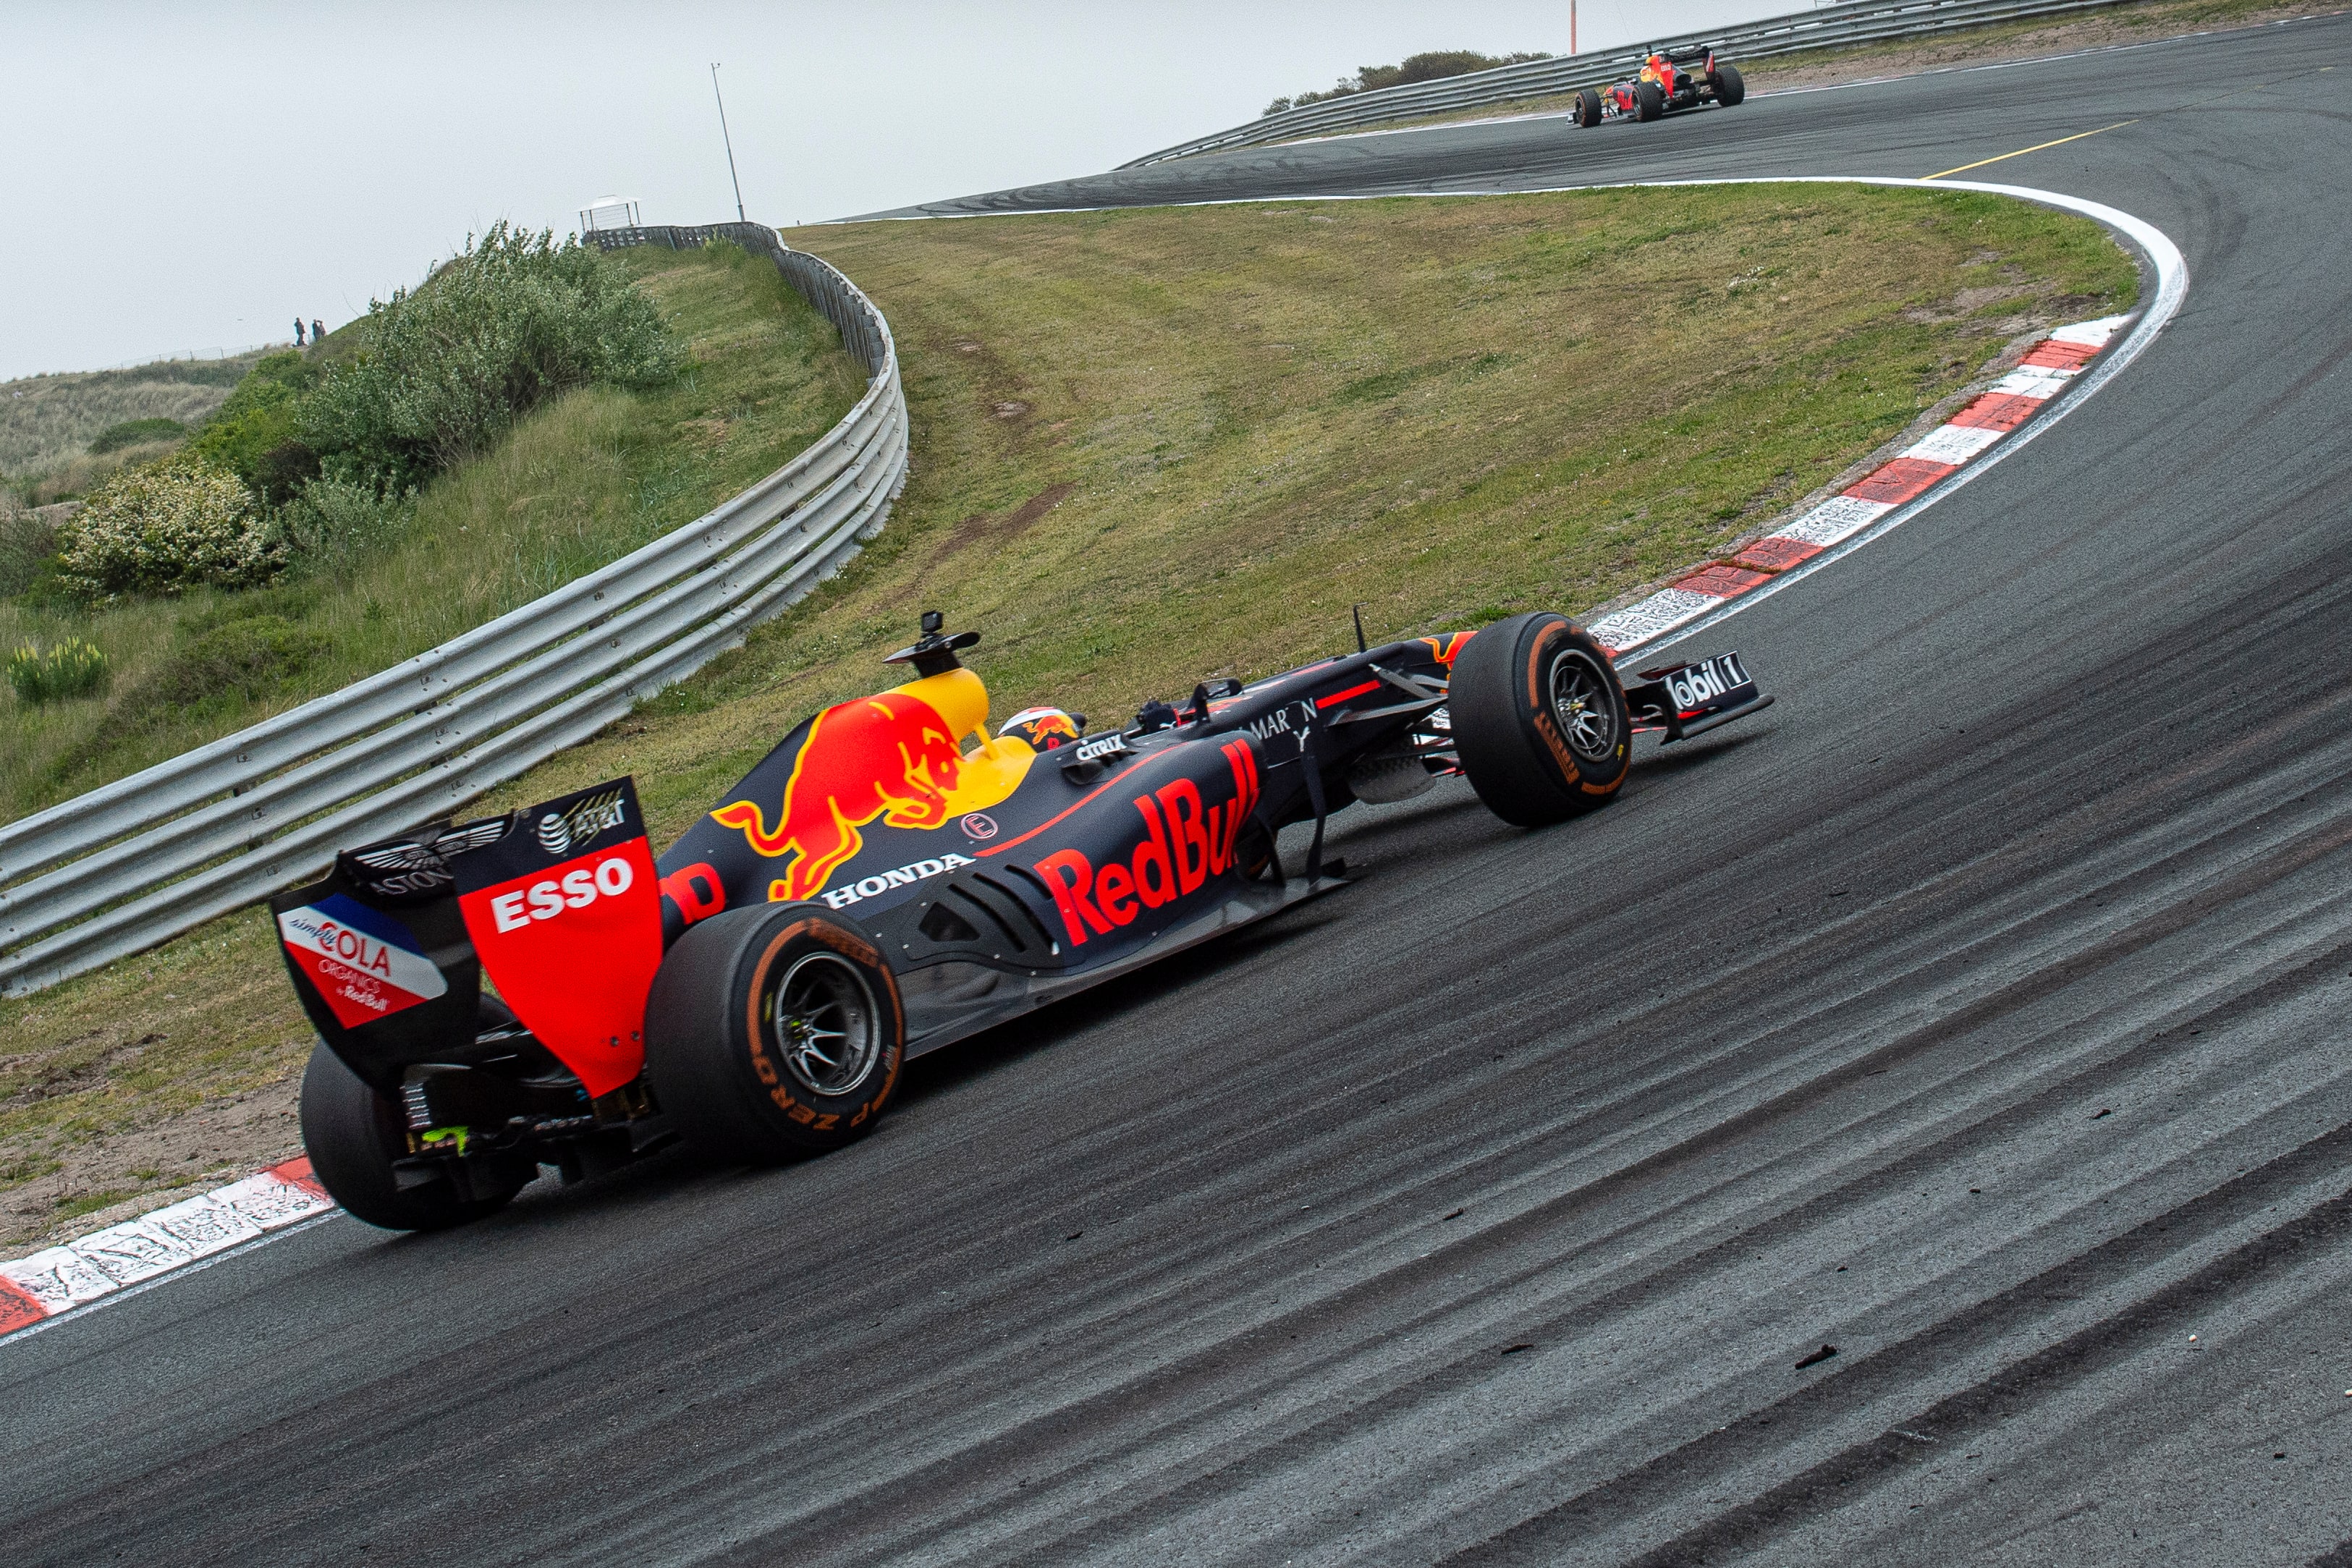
(538, 988)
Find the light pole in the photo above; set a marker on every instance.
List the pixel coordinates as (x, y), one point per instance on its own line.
(730, 141)
(1571, 27)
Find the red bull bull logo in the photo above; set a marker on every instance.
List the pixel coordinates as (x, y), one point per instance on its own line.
(1448, 648)
(891, 756)
(1043, 727)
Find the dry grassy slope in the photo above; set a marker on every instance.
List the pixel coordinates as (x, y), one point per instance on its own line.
(47, 421)
(1155, 445)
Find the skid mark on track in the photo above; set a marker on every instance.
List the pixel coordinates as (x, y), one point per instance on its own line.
(1972, 1410)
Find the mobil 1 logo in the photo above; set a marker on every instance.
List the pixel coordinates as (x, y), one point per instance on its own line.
(1717, 683)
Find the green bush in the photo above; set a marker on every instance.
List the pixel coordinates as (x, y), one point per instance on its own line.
(165, 529)
(256, 434)
(28, 541)
(70, 669)
(251, 655)
(333, 523)
(135, 433)
(1436, 64)
(512, 320)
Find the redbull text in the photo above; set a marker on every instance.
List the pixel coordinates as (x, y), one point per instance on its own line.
(696, 890)
(1183, 845)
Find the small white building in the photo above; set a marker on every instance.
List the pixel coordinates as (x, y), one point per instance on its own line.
(608, 213)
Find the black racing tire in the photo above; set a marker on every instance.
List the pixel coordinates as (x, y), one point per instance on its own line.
(1730, 86)
(1588, 108)
(1540, 720)
(1649, 101)
(738, 1026)
(353, 1134)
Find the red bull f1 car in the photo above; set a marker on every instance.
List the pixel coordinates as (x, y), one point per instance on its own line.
(1667, 82)
(540, 988)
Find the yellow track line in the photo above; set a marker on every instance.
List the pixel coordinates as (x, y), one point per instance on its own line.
(2118, 125)
(2021, 151)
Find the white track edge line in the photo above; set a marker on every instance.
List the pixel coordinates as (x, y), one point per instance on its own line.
(2172, 287)
(195, 1265)
(896, 215)
(1967, 69)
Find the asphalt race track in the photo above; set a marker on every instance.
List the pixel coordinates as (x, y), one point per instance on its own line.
(1979, 1011)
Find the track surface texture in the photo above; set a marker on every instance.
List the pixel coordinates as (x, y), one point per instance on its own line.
(1979, 1012)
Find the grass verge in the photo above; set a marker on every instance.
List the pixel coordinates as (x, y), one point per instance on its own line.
(577, 483)
(1155, 445)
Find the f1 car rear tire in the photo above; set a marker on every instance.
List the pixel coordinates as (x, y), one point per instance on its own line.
(1588, 108)
(1649, 101)
(1540, 720)
(772, 1032)
(353, 1135)
(1730, 86)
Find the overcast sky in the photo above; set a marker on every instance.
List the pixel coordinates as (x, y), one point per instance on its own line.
(182, 178)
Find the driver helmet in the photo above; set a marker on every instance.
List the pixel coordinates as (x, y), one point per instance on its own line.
(1044, 729)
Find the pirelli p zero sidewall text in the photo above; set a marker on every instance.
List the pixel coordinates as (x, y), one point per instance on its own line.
(1539, 719)
(773, 1031)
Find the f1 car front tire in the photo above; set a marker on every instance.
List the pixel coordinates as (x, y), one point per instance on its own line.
(1540, 720)
(353, 1135)
(773, 1031)
(1588, 108)
(1649, 101)
(1730, 86)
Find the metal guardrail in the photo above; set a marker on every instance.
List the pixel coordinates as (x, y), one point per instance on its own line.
(131, 865)
(1833, 27)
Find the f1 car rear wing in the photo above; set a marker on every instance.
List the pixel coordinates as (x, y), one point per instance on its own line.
(558, 904)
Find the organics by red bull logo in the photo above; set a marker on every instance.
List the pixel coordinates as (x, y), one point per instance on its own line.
(366, 964)
(891, 756)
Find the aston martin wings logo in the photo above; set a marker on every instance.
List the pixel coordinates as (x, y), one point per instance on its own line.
(399, 857)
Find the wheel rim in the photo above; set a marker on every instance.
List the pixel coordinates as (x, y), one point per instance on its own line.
(1581, 700)
(825, 1026)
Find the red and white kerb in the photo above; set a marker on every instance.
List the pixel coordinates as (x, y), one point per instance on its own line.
(1943, 451)
(59, 1279)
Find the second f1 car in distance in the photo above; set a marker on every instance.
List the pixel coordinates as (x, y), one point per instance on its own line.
(537, 988)
(1666, 82)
